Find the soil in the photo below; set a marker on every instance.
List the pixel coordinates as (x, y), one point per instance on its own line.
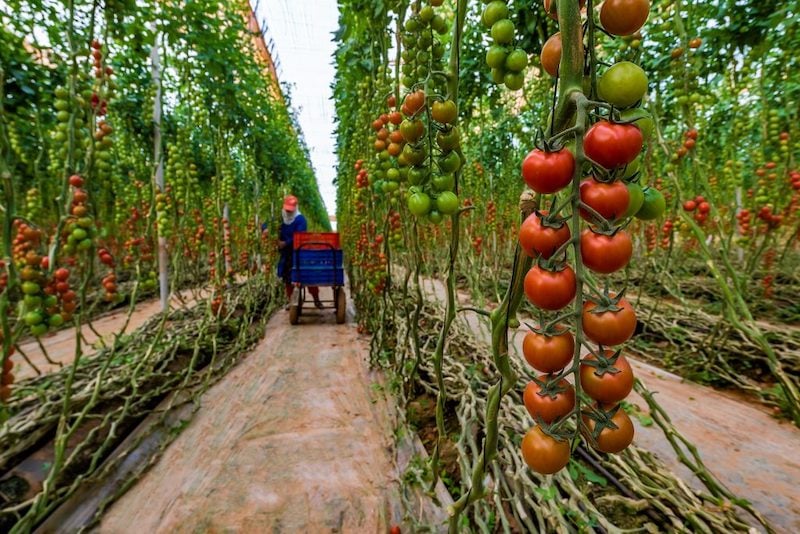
(297, 438)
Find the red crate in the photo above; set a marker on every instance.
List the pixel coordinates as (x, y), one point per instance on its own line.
(317, 240)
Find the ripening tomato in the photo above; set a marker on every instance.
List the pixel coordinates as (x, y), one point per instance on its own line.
(551, 54)
(607, 386)
(624, 17)
(613, 145)
(544, 454)
(606, 254)
(414, 102)
(548, 172)
(550, 290)
(611, 440)
(654, 205)
(548, 354)
(623, 85)
(536, 238)
(8, 366)
(610, 200)
(444, 112)
(542, 406)
(609, 327)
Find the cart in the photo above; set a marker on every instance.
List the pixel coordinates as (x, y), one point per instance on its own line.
(317, 261)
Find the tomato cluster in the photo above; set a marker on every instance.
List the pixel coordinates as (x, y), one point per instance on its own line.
(689, 143)
(700, 206)
(596, 240)
(508, 62)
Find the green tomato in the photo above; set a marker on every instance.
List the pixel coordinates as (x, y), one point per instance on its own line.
(495, 57)
(444, 182)
(450, 163)
(30, 288)
(494, 12)
(417, 175)
(654, 205)
(517, 60)
(55, 320)
(514, 80)
(503, 31)
(623, 85)
(449, 140)
(393, 175)
(435, 217)
(636, 201)
(498, 75)
(389, 187)
(419, 204)
(447, 203)
(39, 330)
(33, 318)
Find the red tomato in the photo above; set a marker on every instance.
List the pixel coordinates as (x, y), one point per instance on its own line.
(607, 386)
(689, 205)
(613, 145)
(624, 17)
(611, 440)
(606, 254)
(609, 327)
(548, 354)
(544, 454)
(550, 290)
(546, 407)
(537, 239)
(692, 134)
(548, 172)
(608, 199)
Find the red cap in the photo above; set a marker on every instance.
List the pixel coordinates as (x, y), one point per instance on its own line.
(290, 203)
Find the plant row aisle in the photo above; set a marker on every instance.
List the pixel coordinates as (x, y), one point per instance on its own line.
(620, 179)
(137, 160)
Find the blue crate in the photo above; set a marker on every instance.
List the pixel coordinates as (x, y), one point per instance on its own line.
(318, 267)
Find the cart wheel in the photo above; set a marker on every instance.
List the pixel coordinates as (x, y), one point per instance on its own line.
(295, 306)
(341, 306)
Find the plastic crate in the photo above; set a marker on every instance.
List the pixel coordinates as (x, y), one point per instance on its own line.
(318, 267)
(316, 240)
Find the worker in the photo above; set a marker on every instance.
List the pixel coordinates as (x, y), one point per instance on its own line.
(293, 221)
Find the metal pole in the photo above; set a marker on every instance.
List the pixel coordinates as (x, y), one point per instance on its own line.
(158, 157)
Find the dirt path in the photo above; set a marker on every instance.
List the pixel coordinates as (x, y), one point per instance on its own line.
(297, 438)
(752, 453)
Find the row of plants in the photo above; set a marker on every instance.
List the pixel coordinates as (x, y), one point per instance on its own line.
(138, 157)
(640, 216)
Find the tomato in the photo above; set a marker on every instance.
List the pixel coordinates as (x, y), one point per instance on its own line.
(551, 54)
(394, 530)
(692, 134)
(414, 102)
(495, 11)
(623, 85)
(611, 440)
(496, 56)
(5, 393)
(654, 205)
(503, 32)
(517, 60)
(419, 204)
(636, 195)
(444, 112)
(546, 407)
(75, 181)
(537, 239)
(391, 101)
(550, 290)
(548, 354)
(606, 254)
(444, 182)
(689, 205)
(609, 328)
(624, 17)
(610, 200)
(449, 140)
(548, 172)
(8, 366)
(613, 145)
(609, 385)
(544, 454)
(412, 130)
(447, 203)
